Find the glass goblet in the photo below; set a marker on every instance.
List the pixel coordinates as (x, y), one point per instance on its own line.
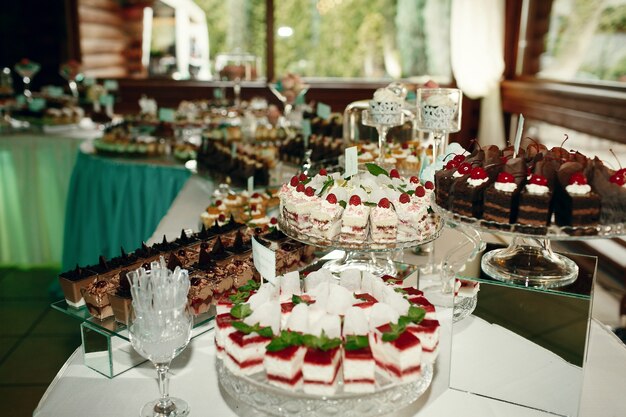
(439, 112)
(27, 70)
(160, 336)
(382, 127)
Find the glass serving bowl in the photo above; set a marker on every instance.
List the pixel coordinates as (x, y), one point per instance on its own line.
(388, 397)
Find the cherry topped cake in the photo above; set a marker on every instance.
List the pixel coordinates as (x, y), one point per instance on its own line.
(373, 206)
(323, 333)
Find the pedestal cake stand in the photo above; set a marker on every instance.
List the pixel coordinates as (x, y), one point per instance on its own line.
(529, 259)
(363, 255)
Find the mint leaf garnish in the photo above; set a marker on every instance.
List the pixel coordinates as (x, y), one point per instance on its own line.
(242, 327)
(369, 204)
(265, 331)
(401, 291)
(327, 184)
(241, 311)
(375, 169)
(247, 329)
(416, 314)
(356, 342)
(343, 204)
(239, 297)
(286, 339)
(396, 330)
(322, 342)
(296, 299)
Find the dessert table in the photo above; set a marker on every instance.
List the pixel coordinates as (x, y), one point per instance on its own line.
(77, 388)
(35, 171)
(115, 202)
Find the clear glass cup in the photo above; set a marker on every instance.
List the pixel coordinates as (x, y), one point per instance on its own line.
(160, 336)
(382, 127)
(439, 113)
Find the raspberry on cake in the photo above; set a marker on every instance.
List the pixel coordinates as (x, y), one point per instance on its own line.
(384, 222)
(326, 218)
(355, 218)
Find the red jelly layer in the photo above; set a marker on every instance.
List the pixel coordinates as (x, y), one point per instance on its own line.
(319, 357)
(359, 354)
(428, 326)
(246, 364)
(366, 297)
(397, 372)
(365, 304)
(413, 291)
(290, 381)
(287, 307)
(243, 340)
(359, 381)
(406, 341)
(421, 300)
(224, 320)
(285, 354)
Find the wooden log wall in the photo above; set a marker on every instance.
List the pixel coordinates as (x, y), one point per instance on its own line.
(110, 38)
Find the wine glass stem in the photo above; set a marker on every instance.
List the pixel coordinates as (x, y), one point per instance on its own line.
(382, 138)
(164, 406)
(437, 144)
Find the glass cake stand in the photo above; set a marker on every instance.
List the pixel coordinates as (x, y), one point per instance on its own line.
(529, 259)
(389, 396)
(362, 255)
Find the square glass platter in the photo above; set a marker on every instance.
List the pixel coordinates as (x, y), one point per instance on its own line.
(524, 345)
(113, 328)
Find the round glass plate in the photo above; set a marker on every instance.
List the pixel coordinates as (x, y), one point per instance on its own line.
(545, 232)
(388, 397)
(436, 224)
(463, 307)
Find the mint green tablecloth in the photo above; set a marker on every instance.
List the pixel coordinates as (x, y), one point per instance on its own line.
(35, 172)
(114, 203)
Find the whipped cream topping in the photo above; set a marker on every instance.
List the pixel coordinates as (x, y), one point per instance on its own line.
(506, 187)
(384, 94)
(439, 100)
(537, 189)
(578, 189)
(457, 174)
(477, 182)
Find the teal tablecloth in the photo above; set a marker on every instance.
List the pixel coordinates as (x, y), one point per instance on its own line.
(35, 172)
(114, 203)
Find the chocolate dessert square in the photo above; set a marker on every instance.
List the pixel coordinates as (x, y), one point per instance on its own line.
(72, 282)
(534, 210)
(500, 206)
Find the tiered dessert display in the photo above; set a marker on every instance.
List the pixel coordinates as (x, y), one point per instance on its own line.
(321, 344)
(371, 211)
(535, 196)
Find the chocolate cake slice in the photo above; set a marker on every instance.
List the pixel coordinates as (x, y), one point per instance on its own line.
(575, 203)
(611, 187)
(468, 199)
(71, 283)
(502, 197)
(535, 207)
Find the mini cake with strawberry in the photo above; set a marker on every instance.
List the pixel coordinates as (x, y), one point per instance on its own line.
(373, 206)
(535, 207)
(469, 193)
(325, 341)
(502, 197)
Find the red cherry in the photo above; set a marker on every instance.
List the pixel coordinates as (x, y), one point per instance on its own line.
(273, 220)
(429, 185)
(218, 203)
(294, 181)
(452, 164)
(618, 178)
(221, 218)
(384, 203)
(309, 191)
(323, 172)
(394, 173)
(420, 191)
(505, 177)
(538, 180)
(414, 180)
(253, 207)
(622, 171)
(404, 198)
(405, 145)
(303, 177)
(458, 158)
(355, 200)
(256, 195)
(504, 159)
(300, 188)
(331, 198)
(578, 178)
(464, 168)
(478, 173)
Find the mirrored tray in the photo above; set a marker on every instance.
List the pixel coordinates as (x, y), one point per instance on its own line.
(114, 328)
(553, 232)
(388, 397)
(435, 222)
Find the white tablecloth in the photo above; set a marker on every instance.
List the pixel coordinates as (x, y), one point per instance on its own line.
(79, 391)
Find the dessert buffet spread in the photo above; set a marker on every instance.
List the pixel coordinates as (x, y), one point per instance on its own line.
(325, 334)
(407, 157)
(251, 209)
(371, 207)
(533, 190)
(218, 259)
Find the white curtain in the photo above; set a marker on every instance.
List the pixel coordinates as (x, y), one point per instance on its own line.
(477, 55)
